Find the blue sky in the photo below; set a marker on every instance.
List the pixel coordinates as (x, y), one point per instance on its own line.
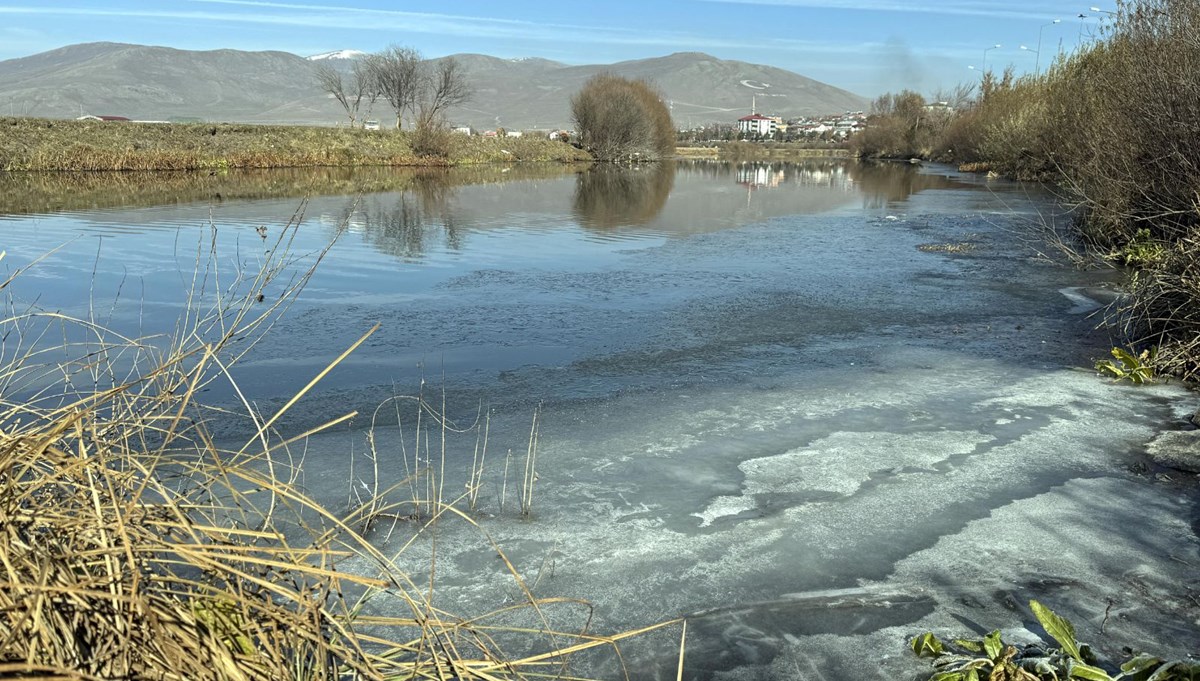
(866, 46)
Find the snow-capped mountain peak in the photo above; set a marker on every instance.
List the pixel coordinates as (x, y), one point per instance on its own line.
(340, 54)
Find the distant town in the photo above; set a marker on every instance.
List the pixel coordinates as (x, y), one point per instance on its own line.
(761, 127)
(755, 127)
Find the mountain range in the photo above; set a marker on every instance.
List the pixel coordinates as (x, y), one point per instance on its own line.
(160, 83)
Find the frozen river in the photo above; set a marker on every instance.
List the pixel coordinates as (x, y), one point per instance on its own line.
(817, 409)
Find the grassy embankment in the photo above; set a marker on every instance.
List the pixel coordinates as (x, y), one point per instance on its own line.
(41, 144)
(134, 547)
(1116, 127)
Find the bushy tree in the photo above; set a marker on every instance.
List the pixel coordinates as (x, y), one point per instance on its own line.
(618, 118)
(898, 126)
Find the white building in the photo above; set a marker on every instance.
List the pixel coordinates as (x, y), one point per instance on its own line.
(757, 124)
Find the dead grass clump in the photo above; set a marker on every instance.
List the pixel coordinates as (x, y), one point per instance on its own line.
(957, 247)
(975, 167)
(132, 546)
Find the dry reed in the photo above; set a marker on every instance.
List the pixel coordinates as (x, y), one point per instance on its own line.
(132, 546)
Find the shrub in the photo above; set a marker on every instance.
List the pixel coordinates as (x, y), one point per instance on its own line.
(430, 141)
(618, 118)
(896, 127)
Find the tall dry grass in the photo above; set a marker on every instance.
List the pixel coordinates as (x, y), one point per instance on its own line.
(132, 546)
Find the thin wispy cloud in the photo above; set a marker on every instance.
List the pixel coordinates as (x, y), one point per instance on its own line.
(385, 20)
(476, 26)
(1019, 9)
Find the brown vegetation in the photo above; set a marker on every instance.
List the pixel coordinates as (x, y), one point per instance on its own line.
(618, 118)
(899, 126)
(134, 547)
(41, 144)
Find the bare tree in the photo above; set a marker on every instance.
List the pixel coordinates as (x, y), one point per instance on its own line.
(350, 94)
(961, 96)
(395, 74)
(330, 80)
(444, 85)
(364, 84)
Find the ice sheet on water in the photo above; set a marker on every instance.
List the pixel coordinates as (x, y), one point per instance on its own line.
(842, 463)
(946, 496)
(1091, 549)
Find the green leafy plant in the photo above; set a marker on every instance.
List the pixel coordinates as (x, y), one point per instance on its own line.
(972, 660)
(1138, 368)
(1142, 250)
(989, 658)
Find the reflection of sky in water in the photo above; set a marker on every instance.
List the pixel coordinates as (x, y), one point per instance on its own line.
(488, 270)
(569, 220)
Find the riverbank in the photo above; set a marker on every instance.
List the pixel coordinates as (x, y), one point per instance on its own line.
(31, 144)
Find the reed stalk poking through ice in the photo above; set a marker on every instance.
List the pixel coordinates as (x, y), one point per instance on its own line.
(530, 466)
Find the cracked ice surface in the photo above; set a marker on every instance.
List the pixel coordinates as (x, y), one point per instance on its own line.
(794, 542)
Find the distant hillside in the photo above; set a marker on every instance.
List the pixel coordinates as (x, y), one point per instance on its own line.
(159, 83)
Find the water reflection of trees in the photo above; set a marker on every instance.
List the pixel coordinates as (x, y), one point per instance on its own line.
(612, 196)
(408, 224)
(880, 184)
(884, 183)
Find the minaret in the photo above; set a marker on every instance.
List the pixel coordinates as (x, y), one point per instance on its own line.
(753, 104)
